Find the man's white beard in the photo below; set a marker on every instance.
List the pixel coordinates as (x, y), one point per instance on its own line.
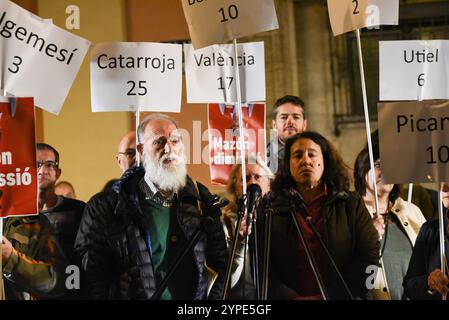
(167, 179)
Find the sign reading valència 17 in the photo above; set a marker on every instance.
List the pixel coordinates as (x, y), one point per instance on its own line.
(420, 131)
(136, 76)
(32, 49)
(414, 70)
(219, 21)
(210, 73)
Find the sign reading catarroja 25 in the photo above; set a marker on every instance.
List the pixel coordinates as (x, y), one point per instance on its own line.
(210, 73)
(414, 141)
(136, 76)
(219, 21)
(38, 59)
(414, 70)
(349, 15)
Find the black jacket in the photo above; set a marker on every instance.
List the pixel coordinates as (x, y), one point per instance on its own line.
(65, 218)
(111, 241)
(425, 259)
(349, 234)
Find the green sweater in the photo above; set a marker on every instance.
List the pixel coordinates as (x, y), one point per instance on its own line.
(166, 239)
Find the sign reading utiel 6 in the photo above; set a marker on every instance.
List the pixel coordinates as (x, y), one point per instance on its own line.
(414, 141)
(414, 70)
(38, 59)
(219, 21)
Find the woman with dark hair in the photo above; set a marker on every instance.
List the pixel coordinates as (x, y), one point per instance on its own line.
(313, 181)
(397, 223)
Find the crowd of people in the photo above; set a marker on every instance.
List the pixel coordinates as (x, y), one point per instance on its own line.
(313, 232)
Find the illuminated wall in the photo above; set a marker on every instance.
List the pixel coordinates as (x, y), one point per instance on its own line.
(87, 142)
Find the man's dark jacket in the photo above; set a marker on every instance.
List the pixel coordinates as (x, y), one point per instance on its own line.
(425, 259)
(112, 243)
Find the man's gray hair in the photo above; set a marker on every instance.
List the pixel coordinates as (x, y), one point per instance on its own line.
(147, 120)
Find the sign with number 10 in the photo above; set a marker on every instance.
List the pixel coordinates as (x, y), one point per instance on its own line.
(219, 21)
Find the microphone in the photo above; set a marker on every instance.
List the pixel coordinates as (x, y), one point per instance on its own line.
(218, 202)
(214, 205)
(253, 195)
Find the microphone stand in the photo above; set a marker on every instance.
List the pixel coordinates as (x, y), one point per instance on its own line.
(253, 243)
(267, 249)
(308, 220)
(240, 211)
(310, 256)
(211, 213)
(255, 255)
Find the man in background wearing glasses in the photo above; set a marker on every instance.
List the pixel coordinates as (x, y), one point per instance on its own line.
(37, 249)
(126, 155)
(63, 213)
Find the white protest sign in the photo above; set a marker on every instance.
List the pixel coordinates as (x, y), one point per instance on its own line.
(414, 70)
(219, 21)
(414, 141)
(38, 59)
(136, 76)
(349, 15)
(210, 73)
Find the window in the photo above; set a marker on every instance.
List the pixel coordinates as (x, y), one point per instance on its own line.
(418, 21)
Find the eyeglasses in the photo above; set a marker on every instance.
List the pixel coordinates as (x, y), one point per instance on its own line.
(256, 177)
(49, 165)
(129, 153)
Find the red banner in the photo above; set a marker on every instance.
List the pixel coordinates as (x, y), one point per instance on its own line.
(18, 173)
(224, 140)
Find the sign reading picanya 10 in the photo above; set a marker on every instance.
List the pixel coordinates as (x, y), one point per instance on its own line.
(420, 131)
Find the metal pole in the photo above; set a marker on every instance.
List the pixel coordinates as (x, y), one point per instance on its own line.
(367, 123)
(410, 192)
(441, 227)
(137, 136)
(2, 287)
(240, 115)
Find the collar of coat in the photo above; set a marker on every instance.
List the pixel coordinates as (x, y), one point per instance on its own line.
(283, 200)
(128, 190)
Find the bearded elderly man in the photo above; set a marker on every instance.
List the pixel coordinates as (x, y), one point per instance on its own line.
(130, 236)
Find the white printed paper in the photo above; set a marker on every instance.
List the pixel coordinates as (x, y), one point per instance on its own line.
(136, 76)
(349, 15)
(219, 21)
(38, 59)
(414, 141)
(210, 73)
(414, 70)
